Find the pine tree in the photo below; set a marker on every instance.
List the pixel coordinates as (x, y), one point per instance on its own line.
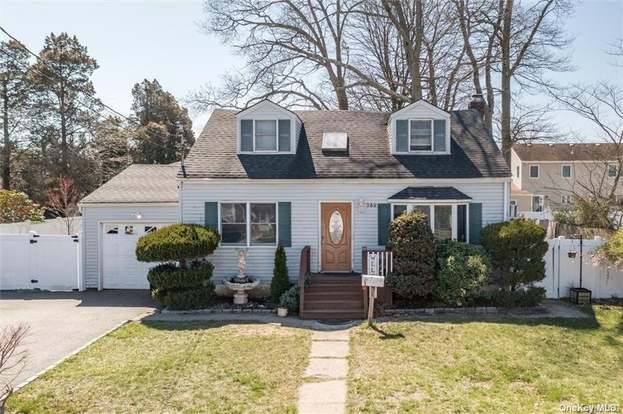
(163, 124)
(281, 281)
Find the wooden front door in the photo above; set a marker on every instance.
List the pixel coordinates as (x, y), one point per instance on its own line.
(335, 233)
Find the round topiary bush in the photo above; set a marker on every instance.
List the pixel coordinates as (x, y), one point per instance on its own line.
(187, 285)
(177, 242)
(517, 248)
(411, 241)
(461, 270)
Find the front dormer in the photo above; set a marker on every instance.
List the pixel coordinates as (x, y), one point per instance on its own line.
(420, 129)
(267, 128)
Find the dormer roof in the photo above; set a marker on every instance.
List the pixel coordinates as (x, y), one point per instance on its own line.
(474, 154)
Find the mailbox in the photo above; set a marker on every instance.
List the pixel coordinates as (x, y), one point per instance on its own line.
(372, 281)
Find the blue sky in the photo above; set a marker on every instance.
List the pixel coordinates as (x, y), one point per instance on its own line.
(138, 39)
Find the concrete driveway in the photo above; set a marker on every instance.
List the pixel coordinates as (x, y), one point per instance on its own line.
(61, 322)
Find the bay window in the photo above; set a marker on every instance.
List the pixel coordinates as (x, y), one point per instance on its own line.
(248, 224)
(447, 221)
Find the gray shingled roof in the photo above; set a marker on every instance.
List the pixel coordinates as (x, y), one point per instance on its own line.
(139, 183)
(429, 193)
(567, 152)
(473, 152)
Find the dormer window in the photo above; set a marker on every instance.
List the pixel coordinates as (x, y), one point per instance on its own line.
(265, 135)
(421, 129)
(421, 136)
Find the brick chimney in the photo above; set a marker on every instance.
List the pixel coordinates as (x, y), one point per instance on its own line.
(478, 102)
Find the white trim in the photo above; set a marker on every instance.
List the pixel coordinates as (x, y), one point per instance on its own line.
(124, 204)
(538, 171)
(341, 181)
(562, 170)
(248, 244)
(420, 102)
(352, 233)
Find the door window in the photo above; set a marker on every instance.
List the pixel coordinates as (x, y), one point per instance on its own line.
(336, 227)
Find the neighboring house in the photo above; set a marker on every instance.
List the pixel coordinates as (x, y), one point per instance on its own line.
(331, 180)
(546, 176)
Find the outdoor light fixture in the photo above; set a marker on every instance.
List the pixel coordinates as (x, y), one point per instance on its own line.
(138, 215)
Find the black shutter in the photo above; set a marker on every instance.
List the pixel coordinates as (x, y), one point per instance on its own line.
(211, 215)
(284, 135)
(246, 135)
(384, 220)
(285, 223)
(475, 222)
(402, 135)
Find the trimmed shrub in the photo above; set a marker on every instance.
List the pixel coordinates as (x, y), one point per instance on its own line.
(461, 269)
(169, 276)
(503, 298)
(412, 243)
(290, 299)
(188, 285)
(177, 242)
(183, 299)
(517, 248)
(281, 280)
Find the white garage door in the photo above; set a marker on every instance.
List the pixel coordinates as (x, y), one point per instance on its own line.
(121, 270)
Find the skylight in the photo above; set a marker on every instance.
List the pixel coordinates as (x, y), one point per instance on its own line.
(335, 141)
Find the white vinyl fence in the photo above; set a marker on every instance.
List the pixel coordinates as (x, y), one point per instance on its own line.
(47, 262)
(563, 272)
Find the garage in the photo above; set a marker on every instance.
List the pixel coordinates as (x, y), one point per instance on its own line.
(139, 200)
(120, 268)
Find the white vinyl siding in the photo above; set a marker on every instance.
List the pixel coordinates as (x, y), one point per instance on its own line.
(305, 196)
(93, 220)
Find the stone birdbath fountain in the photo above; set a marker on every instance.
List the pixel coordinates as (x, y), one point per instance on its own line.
(241, 283)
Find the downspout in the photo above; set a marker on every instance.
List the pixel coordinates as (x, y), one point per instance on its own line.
(180, 201)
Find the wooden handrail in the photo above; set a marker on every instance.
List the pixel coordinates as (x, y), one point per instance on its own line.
(304, 273)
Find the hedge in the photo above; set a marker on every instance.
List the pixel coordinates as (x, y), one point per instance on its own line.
(195, 298)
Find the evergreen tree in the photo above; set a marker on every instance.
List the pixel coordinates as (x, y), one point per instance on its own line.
(14, 62)
(281, 281)
(163, 124)
(64, 111)
(111, 147)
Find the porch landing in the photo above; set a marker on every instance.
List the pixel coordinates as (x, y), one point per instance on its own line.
(336, 296)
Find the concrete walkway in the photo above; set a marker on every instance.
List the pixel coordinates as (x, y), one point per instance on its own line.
(324, 387)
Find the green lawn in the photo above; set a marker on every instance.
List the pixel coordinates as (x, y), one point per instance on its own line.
(487, 365)
(176, 367)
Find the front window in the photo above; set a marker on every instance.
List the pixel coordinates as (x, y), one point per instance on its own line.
(263, 224)
(234, 223)
(249, 224)
(534, 171)
(565, 199)
(537, 203)
(566, 171)
(447, 221)
(421, 136)
(265, 135)
(443, 222)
